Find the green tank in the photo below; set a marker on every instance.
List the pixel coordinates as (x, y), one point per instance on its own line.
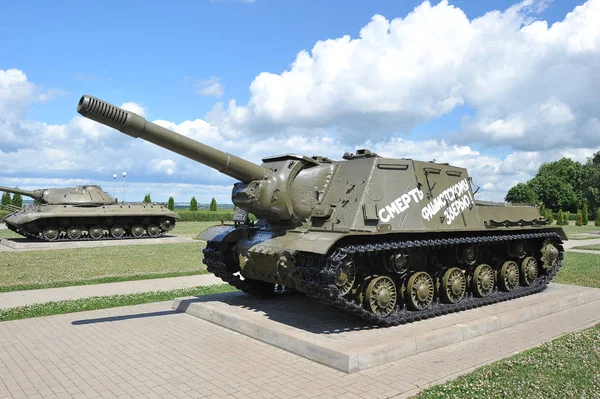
(85, 213)
(389, 240)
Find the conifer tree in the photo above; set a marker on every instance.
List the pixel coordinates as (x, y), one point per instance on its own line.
(171, 204)
(193, 204)
(213, 205)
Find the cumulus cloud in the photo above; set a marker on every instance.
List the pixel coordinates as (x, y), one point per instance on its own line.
(209, 87)
(529, 85)
(522, 77)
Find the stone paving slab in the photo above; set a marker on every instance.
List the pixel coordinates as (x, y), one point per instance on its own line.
(25, 244)
(152, 351)
(320, 333)
(29, 297)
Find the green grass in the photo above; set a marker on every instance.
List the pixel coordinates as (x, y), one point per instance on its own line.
(590, 247)
(6, 233)
(564, 368)
(580, 269)
(572, 230)
(93, 303)
(82, 265)
(192, 229)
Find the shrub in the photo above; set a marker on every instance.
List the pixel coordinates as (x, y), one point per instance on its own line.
(597, 221)
(586, 216)
(171, 204)
(547, 214)
(579, 220)
(193, 204)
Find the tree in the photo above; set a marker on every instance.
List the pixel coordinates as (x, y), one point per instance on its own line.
(147, 199)
(6, 199)
(522, 192)
(116, 200)
(193, 204)
(597, 221)
(558, 184)
(579, 220)
(213, 205)
(171, 204)
(586, 217)
(17, 200)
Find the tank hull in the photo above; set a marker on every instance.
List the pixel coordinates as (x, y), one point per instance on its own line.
(67, 222)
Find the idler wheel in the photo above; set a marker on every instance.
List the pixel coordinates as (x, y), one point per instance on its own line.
(117, 231)
(454, 285)
(509, 276)
(96, 232)
(153, 230)
(381, 296)
(420, 291)
(529, 270)
(138, 230)
(167, 224)
(483, 280)
(50, 233)
(345, 277)
(74, 232)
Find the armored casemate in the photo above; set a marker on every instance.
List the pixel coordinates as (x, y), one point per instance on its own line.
(389, 240)
(85, 212)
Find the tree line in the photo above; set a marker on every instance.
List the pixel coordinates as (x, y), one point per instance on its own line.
(193, 203)
(16, 200)
(562, 187)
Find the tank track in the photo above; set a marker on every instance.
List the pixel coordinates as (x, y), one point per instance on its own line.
(319, 275)
(215, 257)
(63, 237)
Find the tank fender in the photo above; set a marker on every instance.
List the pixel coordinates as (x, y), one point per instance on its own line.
(224, 234)
(315, 242)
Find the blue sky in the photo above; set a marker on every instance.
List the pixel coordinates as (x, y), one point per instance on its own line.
(157, 56)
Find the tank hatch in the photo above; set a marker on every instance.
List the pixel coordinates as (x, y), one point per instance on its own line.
(362, 153)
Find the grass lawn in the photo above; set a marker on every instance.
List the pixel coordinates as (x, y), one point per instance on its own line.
(192, 229)
(564, 368)
(41, 269)
(59, 268)
(580, 269)
(573, 231)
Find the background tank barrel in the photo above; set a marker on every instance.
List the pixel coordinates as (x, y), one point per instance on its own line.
(136, 126)
(37, 194)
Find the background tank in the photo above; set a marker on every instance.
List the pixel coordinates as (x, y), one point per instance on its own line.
(389, 240)
(86, 212)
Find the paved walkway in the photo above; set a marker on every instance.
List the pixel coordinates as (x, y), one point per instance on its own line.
(22, 298)
(151, 351)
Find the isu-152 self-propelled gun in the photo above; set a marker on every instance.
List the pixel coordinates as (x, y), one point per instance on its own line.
(85, 213)
(389, 240)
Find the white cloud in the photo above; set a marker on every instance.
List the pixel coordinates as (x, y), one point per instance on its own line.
(524, 79)
(162, 166)
(530, 86)
(209, 87)
(134, 107)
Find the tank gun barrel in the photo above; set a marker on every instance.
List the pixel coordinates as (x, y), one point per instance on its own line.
(136, 126)
(37, 194)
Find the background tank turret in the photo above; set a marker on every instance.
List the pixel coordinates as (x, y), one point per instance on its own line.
(85, 212)
(390, 240)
